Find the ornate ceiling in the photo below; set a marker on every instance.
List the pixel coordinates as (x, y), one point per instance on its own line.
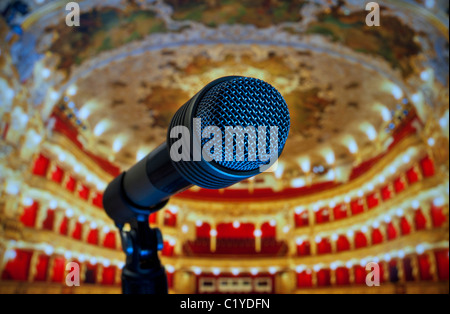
(123, 74)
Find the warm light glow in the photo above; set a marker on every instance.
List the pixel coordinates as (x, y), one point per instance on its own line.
(298, 183)
(299, 210)
(10, 255)
(142, 152)
(67, 255)
(279, 171)
(69, 213)
(384, 111)
(72, 90)
(213, 233)
(370, 131)
(27, 201)
(257, 233)
(350, 142)
(118, 143)
(236, 224)
(170, 269)
(329, 155)
(395, 90)
(185, 229)
(197, 271)
(84, 113)
(101, 127)
(49, 250)
(53, 204)
(12, 187)
(439, 202)
(305, 164)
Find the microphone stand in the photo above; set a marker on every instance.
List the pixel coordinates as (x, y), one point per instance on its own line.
(143, 272)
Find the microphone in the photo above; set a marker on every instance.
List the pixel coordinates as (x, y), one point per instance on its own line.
(233, 129)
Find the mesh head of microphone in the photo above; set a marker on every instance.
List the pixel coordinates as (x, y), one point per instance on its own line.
(245, 102)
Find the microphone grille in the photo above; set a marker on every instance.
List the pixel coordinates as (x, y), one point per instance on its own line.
(244, 102)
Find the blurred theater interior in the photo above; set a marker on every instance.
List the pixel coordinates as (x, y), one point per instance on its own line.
(364, 176)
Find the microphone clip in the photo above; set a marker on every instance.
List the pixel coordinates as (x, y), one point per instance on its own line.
(142, 272)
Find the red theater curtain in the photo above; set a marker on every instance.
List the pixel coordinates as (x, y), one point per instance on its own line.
(83, 192)
(442, 264)
(29, 214)
(170, 219)
(97, 200)
(324, 278)
(360, 275)
(342, 276)
(110, 240)
(108, 275)
(301, 220)
(41, 166)
(437, 215)
(77, 231)
(18, 268)
(170, 277)
(340, 211)
(304, 279)
(357, 206)
(424, 267)
(428, 168)
(168, 249)
(386, 193)
(63, 228)
(304, 249)
(322, 216)
(405, 226)
(93, 236)
(41, 268)
(391, 231)
(399, 185)
(59, 266)
(71, 183)
(49, 220)
(203, 231)
(412, 176)
(57, 175)
(226, 230)
(360, 240)
(343, 244)
(268, 231)
(420, 220)
(377, 236)
(372, 201)
(324, 247)
(152, 219)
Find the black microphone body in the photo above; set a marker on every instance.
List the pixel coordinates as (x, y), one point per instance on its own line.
(147, 186)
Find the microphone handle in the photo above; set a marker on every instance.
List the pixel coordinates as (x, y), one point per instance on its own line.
(147, 184)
